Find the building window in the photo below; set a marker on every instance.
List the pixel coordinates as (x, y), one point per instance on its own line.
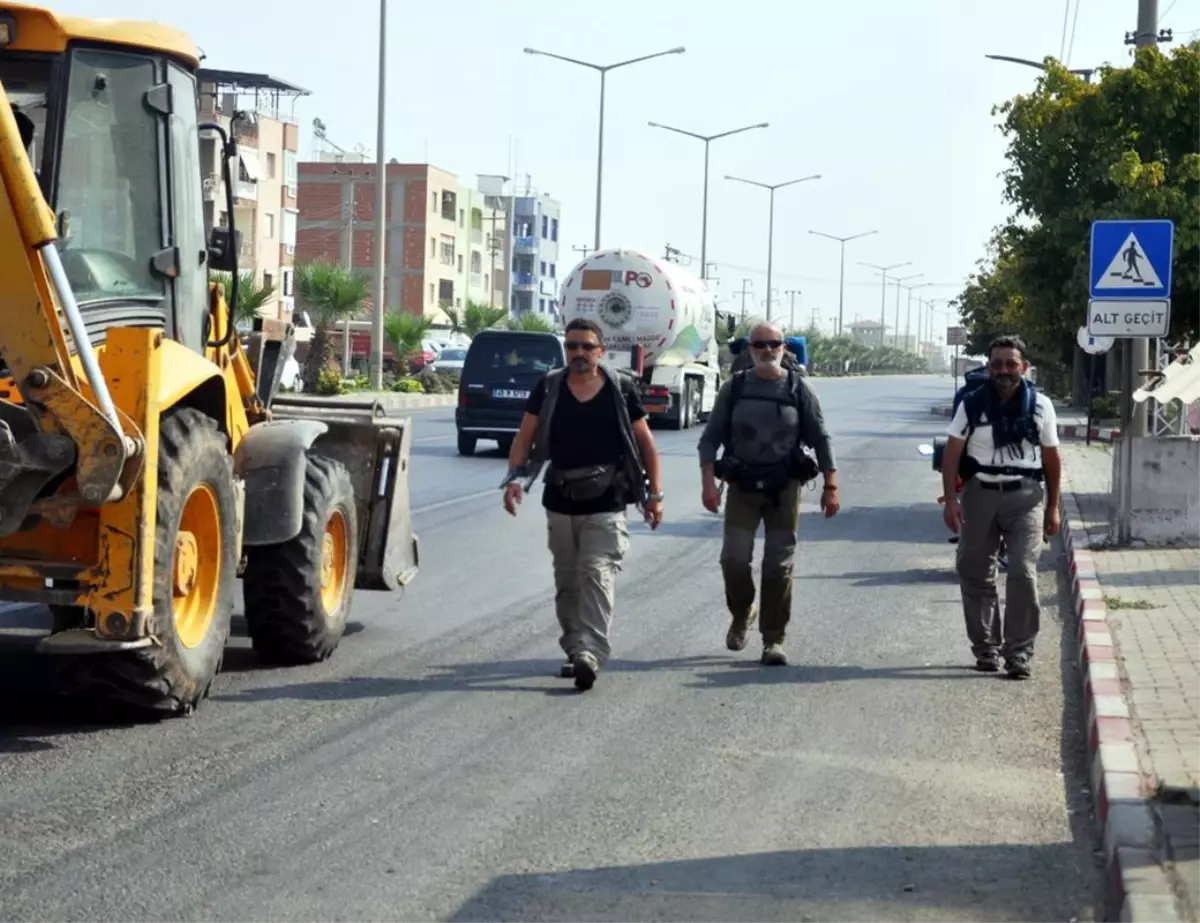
(545, 227)
(269, 221)
(542, 266)
(445, 293)
(487, 281)
(447, 250)
(433, 206)
(460, 264)
(476, 261)
(288, 230)
(288, 282)
(268, 280)
(290, 171)
(552, 270)
(433, 248)
(542, 305)
(431, 294)
(554, 229)
(462, 217)
(270, 165)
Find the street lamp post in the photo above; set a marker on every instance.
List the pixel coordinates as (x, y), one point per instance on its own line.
(771, 220)
(1084, 72)
(842, 277)
(896, 335)
(908, 318)
(707, 139)
(883, 271)
(603, 70)
(375, 366)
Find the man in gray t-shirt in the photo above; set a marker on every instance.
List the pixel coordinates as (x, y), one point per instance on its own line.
(774, 415)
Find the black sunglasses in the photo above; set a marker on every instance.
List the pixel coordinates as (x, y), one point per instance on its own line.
(578, 344)
(766, 344)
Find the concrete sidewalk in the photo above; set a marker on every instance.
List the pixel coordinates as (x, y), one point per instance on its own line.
(1139, 631)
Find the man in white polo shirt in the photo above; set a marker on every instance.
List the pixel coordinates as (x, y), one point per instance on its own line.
(1005, 435)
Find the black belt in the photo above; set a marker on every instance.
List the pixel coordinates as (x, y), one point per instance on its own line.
(1002, 486)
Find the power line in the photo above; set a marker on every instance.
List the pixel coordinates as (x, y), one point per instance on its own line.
(815, 279)
(1074, 23)
(1169, 8)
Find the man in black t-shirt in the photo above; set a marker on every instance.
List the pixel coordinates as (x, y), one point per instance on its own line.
(597, 423)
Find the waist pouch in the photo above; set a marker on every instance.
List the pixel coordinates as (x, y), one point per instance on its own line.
(769, 479)
(582, 485)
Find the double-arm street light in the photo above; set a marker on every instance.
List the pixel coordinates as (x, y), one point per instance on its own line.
(842, 278)
(707, 139)
(883, 271)
(896, 335)
(378, 294)
(771, 187)
(603, 70)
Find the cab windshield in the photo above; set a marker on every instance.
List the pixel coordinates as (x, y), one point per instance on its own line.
(104, 188)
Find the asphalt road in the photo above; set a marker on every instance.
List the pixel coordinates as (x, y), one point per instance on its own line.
(438, 768)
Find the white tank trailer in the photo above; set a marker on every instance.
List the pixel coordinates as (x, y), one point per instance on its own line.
(639, 300)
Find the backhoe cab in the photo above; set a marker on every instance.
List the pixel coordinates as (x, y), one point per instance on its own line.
(144, 466)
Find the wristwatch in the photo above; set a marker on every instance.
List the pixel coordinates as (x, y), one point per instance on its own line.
(658, 497)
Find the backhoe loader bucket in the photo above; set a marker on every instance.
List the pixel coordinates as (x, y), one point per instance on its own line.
(375, 448)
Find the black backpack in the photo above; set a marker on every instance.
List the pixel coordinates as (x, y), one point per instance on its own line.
(803, 463)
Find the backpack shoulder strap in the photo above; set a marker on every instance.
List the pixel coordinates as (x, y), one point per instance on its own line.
(736, 384)
(541, 437)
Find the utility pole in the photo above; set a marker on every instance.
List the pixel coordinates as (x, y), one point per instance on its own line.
(379, 308)
(816, 320)
(493, 246)
(582, 251)
(672, 254)
(348, 211)
(842, 241)
(792, 293)
(896, 335)
(744, 292)
(1137, 351)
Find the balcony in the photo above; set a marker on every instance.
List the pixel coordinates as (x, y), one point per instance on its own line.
(245, 190)
(476, 235)
(476, 280)
(248, 248)
(528, 244)
(213, 189)
(524, 280)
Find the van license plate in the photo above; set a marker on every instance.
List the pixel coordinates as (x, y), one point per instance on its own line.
(509, 394)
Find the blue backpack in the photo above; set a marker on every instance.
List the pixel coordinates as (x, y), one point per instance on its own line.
(974, 397)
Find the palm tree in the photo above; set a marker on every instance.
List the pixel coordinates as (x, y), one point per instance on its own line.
(479, 317)
(531, 323)
(405, 332)
(252, 294)
(329, 293)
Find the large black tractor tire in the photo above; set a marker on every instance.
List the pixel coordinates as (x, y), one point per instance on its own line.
(196, 498)
(298, 593)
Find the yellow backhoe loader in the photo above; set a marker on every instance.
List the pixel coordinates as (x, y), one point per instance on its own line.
(145, 460)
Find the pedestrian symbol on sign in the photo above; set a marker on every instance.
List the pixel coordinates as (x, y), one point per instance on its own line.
(1129, 268)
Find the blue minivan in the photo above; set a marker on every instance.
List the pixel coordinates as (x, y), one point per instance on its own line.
(500, 370)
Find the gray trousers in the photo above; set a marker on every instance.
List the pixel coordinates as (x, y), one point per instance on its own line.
(1018, 516)
(588, 552)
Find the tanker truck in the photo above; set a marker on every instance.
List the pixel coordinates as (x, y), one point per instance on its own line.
(659, 324)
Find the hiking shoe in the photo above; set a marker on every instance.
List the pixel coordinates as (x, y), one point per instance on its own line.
(739, 631)
(567, 670)
(988, 663)
(586, 668)
(773, 655)
(1017, 667)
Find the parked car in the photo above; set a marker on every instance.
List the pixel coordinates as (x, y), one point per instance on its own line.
(500, 369)
(450, 359)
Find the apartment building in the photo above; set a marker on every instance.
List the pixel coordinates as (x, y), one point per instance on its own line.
(535, 255)
(443, 239)
(265, 178)
(868, 332)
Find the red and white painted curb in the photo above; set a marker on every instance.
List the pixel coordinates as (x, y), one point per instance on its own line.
(1140, 887)
(1065, 430)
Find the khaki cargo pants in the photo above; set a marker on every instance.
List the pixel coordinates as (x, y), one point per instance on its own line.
(744, 511)
(1018, 514)
(587, 552)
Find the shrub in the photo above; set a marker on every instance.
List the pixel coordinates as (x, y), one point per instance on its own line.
(408, 386)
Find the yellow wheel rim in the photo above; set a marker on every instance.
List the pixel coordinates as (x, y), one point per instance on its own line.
(196, 568)
(335, 562)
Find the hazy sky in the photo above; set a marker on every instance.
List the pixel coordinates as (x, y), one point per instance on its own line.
(890, 102)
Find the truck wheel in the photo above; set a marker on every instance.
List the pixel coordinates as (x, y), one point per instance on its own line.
(67, 618)
(195, 572)
(298, 593)
(682, 413)
(466, 444)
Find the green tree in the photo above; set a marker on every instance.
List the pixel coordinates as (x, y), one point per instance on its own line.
(1123, 146)
(479, 317)
(252, 294)
(329, 293)
(405, 332)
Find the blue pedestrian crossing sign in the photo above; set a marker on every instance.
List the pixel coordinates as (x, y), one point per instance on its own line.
(1131, 259)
